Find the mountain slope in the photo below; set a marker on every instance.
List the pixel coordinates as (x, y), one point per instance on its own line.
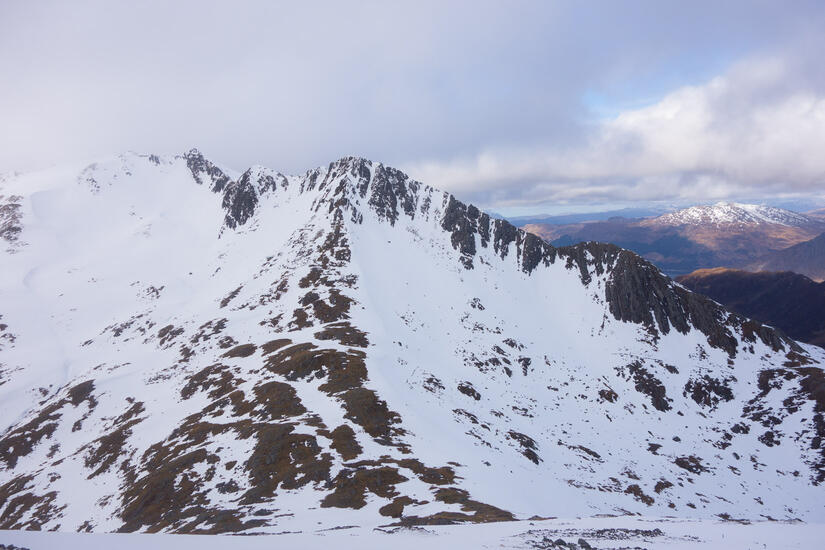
(786, 300)
(807, 258)
(584, 217)
(725, 234)
(818, 213)
(189, 350)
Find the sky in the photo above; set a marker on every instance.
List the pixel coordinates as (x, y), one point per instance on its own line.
(520, 107)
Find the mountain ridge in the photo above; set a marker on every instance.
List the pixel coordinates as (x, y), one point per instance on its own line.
(463, 221)
(266, 352)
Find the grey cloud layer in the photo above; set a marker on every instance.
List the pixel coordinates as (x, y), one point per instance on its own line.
(743, 133)
(484, 98)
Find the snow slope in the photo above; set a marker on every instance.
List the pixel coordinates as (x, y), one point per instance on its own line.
(620, 532)
(185, 349)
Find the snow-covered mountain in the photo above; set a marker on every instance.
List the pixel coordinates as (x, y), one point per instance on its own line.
(187, 349)
(732, 213)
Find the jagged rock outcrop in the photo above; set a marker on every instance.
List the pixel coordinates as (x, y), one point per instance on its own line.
(204, 172)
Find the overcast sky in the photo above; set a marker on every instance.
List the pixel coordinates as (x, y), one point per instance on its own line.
(518, 106)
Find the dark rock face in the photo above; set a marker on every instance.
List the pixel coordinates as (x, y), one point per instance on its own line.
(241, 198)
(649, 385)
(708, 391)
(464, 222)
(10, 219)
(239, 201)
(638, 292)
(391, 189)
(528, 446)
(462, 227)
(534, 251)
(203, 170)
(267, 183)
(504, 233)
(692, 464)
(642, 295)
(467, 389)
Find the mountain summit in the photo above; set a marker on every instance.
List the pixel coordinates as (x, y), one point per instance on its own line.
(732, 213)
(189, 350)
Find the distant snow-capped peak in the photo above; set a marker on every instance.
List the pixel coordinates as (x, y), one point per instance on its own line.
(723, 213)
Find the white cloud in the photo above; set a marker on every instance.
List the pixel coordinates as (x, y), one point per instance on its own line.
(747, 132)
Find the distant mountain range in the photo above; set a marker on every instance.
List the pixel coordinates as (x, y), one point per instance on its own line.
(785, 300)
(521, 221)
(725, 234)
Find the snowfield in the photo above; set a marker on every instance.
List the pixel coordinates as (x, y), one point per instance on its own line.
(646, 533)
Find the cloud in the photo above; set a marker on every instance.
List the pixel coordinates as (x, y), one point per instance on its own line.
(745, 133)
